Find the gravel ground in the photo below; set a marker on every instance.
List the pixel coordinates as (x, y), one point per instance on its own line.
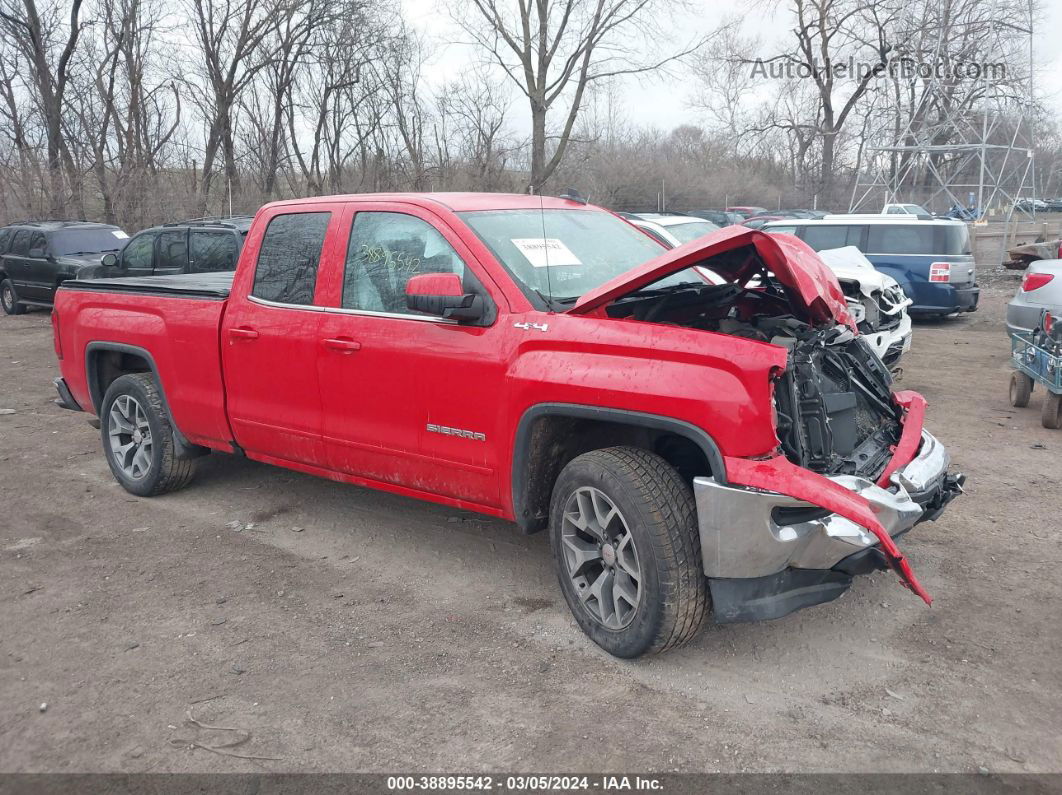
(341, 629)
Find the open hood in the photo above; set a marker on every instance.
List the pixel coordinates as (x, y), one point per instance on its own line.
(791, 260)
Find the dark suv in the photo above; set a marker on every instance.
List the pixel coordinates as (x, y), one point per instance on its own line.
(36, 256)
(203, 245)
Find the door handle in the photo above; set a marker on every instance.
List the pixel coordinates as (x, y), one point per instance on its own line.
(342, 345)
(243, 334)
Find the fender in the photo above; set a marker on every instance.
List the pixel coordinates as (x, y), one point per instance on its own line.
(184, 448)
(522, 441)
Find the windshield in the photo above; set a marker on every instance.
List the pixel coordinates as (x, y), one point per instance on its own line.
(563, 254)
(86, 241)
(691, 231)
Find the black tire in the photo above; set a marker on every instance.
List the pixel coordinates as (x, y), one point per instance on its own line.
(9, 299)
(165, 472)
(658, 511)
(1051, 413)
(1021, 387)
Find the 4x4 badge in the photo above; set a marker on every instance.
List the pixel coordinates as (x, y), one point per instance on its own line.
(529, 326)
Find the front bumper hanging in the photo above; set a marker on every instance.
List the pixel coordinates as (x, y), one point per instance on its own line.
(767, 553)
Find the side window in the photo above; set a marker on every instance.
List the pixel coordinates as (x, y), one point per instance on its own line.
(20, 243)
(385, 250)
(821, 237)
(5, 239)
(288, 258)
(213, 251)
(38, 241)
(137, 254)
(900, 239)
(173, 251)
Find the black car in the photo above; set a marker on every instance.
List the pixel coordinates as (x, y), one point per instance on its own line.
(203, 245)
(37, 256)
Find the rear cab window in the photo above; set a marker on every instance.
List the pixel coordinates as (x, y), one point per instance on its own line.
(172, 255)
(289, 257)
(38, 243)
(20, 242)
(212, 252)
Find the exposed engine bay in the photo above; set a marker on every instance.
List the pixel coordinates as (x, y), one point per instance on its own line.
(834, 405)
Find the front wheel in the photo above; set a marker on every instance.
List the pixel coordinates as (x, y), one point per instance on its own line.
(9, 300)
(625, 544)
(138, 438)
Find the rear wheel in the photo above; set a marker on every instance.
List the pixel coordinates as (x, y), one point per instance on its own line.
(138, 438)
(1051, 414)
(625, 544)
(9, 300)
(1021, 387)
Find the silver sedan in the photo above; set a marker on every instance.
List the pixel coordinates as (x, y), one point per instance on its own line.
(1041, 288)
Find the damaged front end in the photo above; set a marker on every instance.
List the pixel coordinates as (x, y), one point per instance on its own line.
(853, 470)
(856, 470)
(834, 404)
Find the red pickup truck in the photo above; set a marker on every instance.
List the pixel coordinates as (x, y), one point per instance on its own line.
(701, 429)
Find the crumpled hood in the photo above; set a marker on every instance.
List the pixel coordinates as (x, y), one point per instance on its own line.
(791, 260)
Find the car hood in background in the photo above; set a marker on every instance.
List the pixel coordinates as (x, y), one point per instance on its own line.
(790, 259)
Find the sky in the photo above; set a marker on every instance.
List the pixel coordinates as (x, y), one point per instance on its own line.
(665, 103)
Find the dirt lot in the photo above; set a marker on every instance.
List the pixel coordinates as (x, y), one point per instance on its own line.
(391, 635)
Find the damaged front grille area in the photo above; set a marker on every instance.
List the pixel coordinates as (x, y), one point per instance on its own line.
(836, 415)
(880, 311)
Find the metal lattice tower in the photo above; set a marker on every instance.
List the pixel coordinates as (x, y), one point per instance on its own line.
(982, 152)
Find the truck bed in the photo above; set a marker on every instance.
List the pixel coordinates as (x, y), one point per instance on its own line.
(170, 324)
(190, 285)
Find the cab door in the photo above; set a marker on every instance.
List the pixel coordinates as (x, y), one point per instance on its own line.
(271, 333)
(409, 399)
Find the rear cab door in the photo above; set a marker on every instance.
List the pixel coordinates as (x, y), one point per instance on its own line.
(271, 333)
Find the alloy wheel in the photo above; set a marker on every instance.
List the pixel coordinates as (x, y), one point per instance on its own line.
(601, 558)
(130, 436)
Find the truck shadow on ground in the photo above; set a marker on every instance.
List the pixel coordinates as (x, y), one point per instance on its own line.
(462, 558)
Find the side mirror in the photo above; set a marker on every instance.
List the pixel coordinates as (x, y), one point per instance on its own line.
(36, 253)
(442, 294)
(109, 260)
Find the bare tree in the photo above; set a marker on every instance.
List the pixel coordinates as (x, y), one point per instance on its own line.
(553, 51)
(471, 130)
(229, 34)
(47, 46)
